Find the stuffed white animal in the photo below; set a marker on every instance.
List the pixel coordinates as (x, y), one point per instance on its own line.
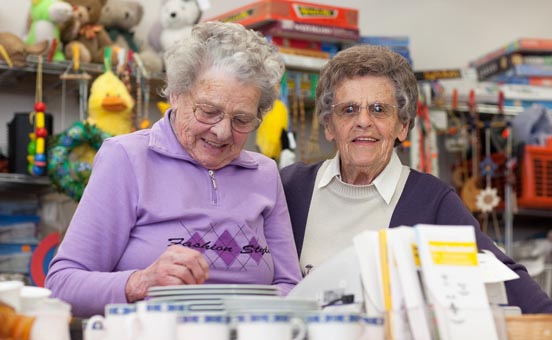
(176, 20)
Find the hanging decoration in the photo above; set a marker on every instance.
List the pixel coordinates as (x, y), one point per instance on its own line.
(70, 174)
(313, 144)
(37, 145)
(471, 187)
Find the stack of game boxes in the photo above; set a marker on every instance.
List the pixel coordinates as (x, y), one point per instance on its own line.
(399, 44)
(306, 34)
(18, 228)
(522, 69)
(525, 61)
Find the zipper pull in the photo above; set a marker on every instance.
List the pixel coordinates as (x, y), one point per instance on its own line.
(212, 175)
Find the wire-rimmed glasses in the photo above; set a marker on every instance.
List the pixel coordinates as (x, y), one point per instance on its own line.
(240, 122)
(351, 109)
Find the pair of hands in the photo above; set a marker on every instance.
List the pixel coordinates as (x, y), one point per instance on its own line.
(176, 266)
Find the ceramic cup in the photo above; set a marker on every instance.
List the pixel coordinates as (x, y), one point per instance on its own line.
(10, 293)
(116, 325)
(269, 326)
(373, 328)
(156, 320)
(31, 297)
(205, 326)
(52, 318)
(334, 325)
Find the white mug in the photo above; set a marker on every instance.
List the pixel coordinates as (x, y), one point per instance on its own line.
(10, 293)
(155, 320)
(118, 320)
(95, 328)
(269, 326)
(31, 297)
(204, 326)
(334, 325)
(373, 328)
(116, 325)
(51, 324)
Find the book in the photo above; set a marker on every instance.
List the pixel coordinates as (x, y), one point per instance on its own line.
(402, 244)
(454, 283)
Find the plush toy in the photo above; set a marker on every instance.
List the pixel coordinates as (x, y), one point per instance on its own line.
(175, 23)
(110, 105)
(46, 16)
(120, 18)
(268, 137)
(92, 38)
(14, 50)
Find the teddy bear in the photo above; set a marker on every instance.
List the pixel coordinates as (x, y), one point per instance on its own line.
(91, 37)
(176, 20)
(16, 49)
(45, 17)
(120, 18)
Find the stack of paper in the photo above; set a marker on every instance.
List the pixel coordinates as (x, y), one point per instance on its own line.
(454, 282)
(428, 282)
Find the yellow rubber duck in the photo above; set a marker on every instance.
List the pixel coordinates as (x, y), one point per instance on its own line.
(110, 105)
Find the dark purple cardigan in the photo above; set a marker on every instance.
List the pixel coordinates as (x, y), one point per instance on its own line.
(425, 199)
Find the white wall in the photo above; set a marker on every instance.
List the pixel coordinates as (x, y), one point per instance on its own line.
(443, 33)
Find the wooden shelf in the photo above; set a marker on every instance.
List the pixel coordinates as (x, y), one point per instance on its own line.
(24, 183)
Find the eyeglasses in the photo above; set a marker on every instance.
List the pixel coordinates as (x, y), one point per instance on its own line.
(352, 109)
(242, 123)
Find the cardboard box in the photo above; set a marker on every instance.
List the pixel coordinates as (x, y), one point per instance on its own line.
(298, 30)
(517, 64)
(261, 12)
(520, 45)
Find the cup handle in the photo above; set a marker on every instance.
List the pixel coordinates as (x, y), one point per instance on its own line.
(299, 326)
(95, 328)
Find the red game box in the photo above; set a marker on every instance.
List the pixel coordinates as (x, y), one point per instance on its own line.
(261, 12)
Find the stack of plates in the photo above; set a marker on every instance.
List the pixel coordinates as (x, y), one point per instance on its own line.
(269, 304)
(208, 297)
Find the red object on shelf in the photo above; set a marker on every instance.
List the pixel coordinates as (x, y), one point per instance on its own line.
(304, 12)
(42, 256)
(535, 189)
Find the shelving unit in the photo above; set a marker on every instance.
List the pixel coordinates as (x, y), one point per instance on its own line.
(13, 184)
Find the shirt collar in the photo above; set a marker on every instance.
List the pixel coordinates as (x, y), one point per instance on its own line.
(385, 183)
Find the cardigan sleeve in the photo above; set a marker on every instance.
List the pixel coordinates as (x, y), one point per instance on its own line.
(82, 272)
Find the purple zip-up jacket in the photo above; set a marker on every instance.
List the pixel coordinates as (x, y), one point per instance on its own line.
(146, 193)
(425, 199)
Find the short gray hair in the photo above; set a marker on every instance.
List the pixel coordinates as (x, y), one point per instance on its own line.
(230, 47)
(363, 60)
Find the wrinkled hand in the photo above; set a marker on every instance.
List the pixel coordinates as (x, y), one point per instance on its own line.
(176, 266)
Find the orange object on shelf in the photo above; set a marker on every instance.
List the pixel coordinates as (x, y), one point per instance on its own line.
(261, 12)
(535, 186)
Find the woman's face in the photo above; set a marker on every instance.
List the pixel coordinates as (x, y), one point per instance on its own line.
(214, 146)
(365, 143)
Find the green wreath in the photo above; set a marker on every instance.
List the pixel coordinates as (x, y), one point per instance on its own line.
(68, 175)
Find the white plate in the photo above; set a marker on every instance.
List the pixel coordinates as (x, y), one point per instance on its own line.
(243, 303)
(212, 297)
(214, 287)
(209, 292)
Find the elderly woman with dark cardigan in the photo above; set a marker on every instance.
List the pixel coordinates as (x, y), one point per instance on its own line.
(366, 99)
